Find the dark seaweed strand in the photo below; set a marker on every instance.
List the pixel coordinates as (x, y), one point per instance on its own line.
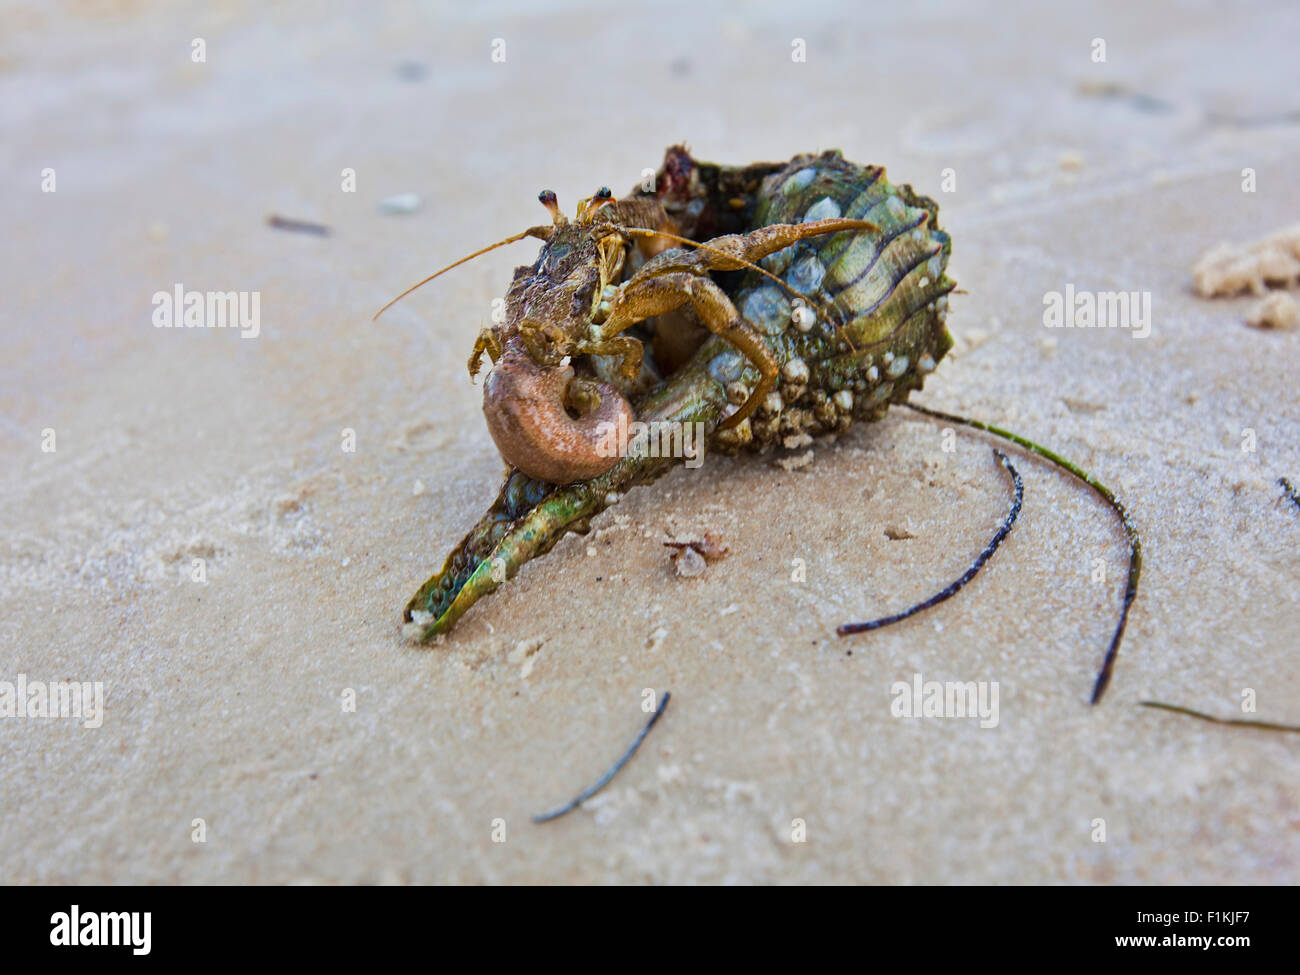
(1290, 491)
(297, 226)
(955, 587)
(1135, 543)
(578, 800)
(1239, 722)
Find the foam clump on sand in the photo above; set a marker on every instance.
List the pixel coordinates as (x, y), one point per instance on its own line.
(1228, 269)
(1278, 310)
(413, 631)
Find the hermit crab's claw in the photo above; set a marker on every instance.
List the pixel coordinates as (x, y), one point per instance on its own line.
(524, 404)
(530, 516)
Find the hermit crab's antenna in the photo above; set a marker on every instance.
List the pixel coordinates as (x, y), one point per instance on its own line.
(541, 233)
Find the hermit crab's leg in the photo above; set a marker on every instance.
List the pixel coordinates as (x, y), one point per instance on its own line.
(735, 251)
(629, 350)
(644, 297)
(488, 342)
(639, 299)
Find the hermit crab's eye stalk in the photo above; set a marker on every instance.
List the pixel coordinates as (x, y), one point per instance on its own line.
(548, 199)
(588, 207)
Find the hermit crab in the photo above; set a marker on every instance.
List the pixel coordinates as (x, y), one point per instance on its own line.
(753, 303)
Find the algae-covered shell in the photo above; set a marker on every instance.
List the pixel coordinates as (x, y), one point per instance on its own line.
(878, 296)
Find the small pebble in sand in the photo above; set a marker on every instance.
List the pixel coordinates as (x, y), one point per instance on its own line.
(1228, 269)
(1071, 161)
(974, 337)
(694, 552)
(689, 563)
(417, 488)
(524, 655)
(1278, 310)
(795, 463)
(286, 504)
(414, 630)
(400, 203)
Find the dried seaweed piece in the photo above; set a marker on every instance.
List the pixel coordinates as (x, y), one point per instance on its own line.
(1238, 722)
(1228, 269)
(1135, 543)
(953, 588)
(297, 226)
(586, 794)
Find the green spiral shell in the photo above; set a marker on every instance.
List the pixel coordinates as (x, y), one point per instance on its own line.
(879, 296)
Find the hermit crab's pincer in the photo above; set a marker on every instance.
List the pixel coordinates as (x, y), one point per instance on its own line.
(530, 515)
(525, 408)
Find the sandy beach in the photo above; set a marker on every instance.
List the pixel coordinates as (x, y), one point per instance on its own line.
(221, 529)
